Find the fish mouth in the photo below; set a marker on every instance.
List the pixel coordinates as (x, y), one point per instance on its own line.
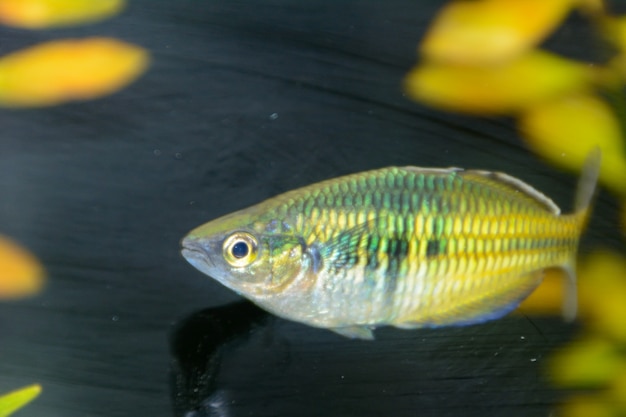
(190, 254)
(194, 252)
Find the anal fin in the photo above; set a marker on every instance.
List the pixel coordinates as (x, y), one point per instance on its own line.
(355, 332)
(476, 309)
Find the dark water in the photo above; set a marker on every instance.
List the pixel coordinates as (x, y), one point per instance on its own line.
(244, 100)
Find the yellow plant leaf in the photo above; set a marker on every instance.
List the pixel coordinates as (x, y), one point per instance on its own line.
(38, 14)
(614, 74)
(21, 274)
(592, 8)
(496, 89)
(617, 390)
(587, 406)
(490, 31)
(13, 401)
(565, 130)
(591, 362)
(605, 293)
(60, 71)
(547, 299)
(615, 30)
(601, 294)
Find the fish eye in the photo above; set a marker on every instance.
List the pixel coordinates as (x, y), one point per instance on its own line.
(240, 249)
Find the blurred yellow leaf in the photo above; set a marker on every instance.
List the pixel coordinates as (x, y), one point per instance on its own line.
(601, 294)
(496, 89)
(597, 361)
(60, 71)
(615, 30)
(565, 130)
(21, 273)
(592, 7)
(614, 74)
(490, 31)
(37, 14)
(587, 406)
(13, 401)
(592, 362)
(604, 293)
(547, 299)
(617, 390)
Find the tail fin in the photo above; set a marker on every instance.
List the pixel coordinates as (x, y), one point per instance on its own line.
(587, 184)
(584, 195)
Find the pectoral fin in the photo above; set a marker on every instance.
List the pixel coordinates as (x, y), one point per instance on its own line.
(342, 250)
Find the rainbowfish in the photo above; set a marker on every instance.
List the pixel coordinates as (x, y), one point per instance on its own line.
(407, 247)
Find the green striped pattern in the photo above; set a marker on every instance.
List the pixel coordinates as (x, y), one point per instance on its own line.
(418, 247)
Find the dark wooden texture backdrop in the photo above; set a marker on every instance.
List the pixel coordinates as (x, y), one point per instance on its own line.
(244, 99)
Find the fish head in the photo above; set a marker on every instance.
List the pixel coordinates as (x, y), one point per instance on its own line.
(245, 254)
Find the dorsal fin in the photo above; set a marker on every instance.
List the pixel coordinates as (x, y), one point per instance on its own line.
(517, 185)
(506, 182)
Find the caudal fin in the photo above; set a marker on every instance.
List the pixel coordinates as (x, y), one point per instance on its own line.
(587, 183)
(584, 196)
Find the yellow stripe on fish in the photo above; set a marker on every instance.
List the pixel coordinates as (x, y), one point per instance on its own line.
(409, 247)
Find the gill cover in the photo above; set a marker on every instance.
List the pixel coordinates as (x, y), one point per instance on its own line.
(286, 260)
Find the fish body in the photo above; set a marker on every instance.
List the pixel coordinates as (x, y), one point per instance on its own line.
(403, 246)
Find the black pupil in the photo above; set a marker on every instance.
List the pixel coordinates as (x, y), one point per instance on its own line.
(240, 249)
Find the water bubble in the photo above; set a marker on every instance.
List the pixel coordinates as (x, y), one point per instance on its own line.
(273, 116)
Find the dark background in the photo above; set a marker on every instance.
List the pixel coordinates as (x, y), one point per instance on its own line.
(245, 99)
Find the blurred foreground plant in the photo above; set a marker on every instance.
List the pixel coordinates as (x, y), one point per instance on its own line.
(65, 70)
(481, 57)
(53, 73)
(13, 401)
(596, 361)
(21, 274)
(491, 31)
(40, 14)
(59, 71)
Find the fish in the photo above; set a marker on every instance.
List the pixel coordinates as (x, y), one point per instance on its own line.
(407, 247)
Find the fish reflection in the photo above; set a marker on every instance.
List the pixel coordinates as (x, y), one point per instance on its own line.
(196, 346)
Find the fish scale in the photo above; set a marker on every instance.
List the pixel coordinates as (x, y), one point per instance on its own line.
(409, 247)
(384, 192)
